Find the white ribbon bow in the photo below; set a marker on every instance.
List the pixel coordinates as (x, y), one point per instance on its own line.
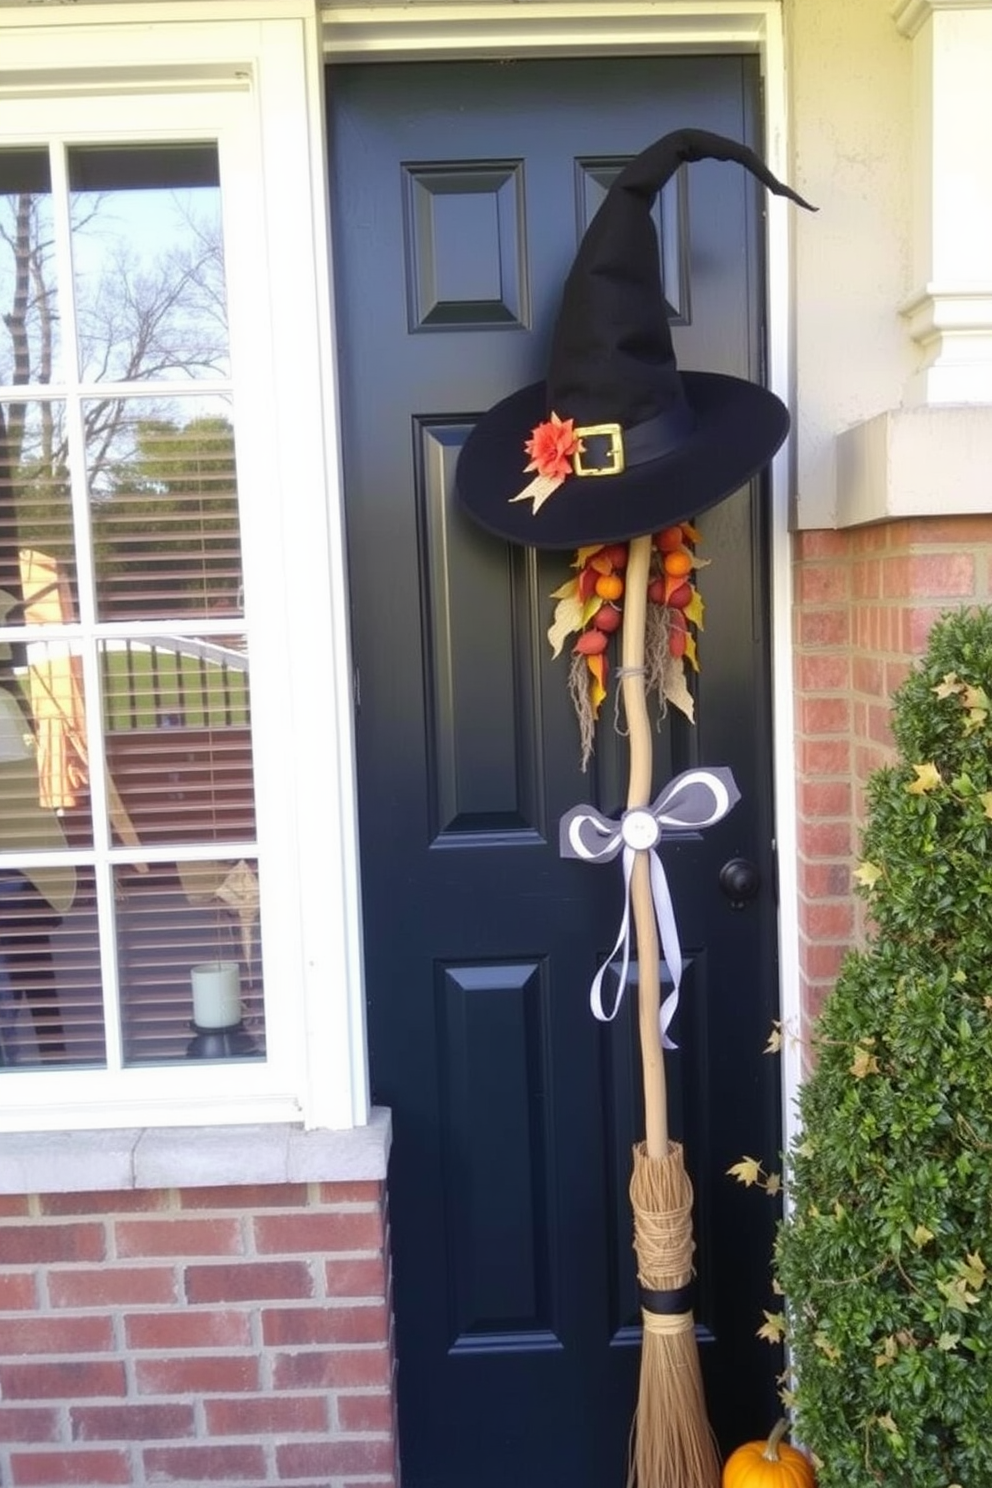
(693, 800)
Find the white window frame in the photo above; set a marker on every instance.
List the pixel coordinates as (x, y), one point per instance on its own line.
(254, 85)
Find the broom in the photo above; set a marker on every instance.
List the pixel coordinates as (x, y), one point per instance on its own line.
(672, 1443)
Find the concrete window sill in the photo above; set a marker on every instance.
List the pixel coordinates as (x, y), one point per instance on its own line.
(192, 1157)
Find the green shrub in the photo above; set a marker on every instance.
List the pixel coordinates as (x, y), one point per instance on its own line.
(882, 1257)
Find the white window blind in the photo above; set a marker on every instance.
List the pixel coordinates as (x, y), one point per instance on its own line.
(130, 920)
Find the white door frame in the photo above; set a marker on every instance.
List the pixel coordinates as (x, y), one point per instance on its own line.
(436, 30)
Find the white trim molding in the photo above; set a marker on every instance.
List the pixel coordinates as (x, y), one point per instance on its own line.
(355, 30)
(249, 75)
(949, 315)
(910, 15)
(915, 462)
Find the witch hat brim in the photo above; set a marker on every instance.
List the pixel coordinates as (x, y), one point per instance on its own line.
(738, 426)
(650, 445)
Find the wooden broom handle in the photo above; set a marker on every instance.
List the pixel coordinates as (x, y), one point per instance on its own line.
(639, 794)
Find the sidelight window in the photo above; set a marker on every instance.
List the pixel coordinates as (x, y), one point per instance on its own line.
(178, 941)
(129, 918)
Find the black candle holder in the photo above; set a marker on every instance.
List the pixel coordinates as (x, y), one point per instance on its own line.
(222, 1043)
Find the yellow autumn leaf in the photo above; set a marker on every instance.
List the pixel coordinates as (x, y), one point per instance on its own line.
(922, 1236)
(568, 619)
(570, 586)
(774, 1043)
(975, 698)
(690, 652)
(986, 800)
(948, 687)
(674, 688)
(948, 1341)
(773, 1183)
(927, 779)
(867, 875)
(591, 607)
(864, 1063)
(695, 610)
(956, 1293)
(747, 1171)
(583, 555)
(597, 682)
(888, 1424)
(773, 1328)
(828, 1349)
(973, 1270)
(689, 532)
(887, 1353)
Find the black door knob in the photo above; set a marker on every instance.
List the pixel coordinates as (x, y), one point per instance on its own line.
(740, 881)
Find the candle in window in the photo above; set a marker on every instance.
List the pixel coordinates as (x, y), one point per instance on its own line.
(216, 994)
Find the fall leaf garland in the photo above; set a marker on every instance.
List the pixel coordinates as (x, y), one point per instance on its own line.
(590, 607)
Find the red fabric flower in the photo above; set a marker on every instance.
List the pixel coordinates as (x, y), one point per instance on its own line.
(551, 447)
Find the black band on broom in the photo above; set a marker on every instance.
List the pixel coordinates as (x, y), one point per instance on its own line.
(639, 448)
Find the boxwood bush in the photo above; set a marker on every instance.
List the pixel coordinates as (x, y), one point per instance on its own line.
(883, 1256)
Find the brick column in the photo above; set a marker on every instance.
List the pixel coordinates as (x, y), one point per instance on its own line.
(865, 600)
(197, 1336)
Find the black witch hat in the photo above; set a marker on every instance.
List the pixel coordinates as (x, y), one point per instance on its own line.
(620, 441)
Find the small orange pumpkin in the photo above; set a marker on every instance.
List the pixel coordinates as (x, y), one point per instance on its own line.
(768, 1464)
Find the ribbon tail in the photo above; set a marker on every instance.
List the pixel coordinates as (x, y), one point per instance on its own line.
(622, 943)
(539, 490)
(671, 948)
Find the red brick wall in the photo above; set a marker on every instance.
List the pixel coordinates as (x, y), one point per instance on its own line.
(197, 1336)
(865, 601)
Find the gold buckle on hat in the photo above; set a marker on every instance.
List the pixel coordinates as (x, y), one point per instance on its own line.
(614, 455)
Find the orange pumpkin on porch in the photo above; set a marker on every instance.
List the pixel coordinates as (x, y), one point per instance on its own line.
(768, 1464)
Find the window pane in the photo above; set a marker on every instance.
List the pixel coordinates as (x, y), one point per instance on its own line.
(143, 594)
(189, 961)
(51, 1007)
(164, 507)
(36, 543)
(176, 714)
(30, 349)
(148, 263)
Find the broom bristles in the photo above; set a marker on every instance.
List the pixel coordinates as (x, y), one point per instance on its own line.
(672, 1443)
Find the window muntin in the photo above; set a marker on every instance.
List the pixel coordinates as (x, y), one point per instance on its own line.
(123, 646)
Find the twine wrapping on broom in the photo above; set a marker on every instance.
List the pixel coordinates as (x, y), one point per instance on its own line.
(672, 1446)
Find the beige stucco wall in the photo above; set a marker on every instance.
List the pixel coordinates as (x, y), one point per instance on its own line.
(850, 85)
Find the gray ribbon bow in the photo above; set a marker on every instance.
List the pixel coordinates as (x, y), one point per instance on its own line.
(693, 800)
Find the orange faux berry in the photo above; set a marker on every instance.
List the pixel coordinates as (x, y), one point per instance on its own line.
(609, 586)
(677, 563)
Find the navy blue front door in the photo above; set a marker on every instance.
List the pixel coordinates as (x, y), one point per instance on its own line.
(459, 193)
